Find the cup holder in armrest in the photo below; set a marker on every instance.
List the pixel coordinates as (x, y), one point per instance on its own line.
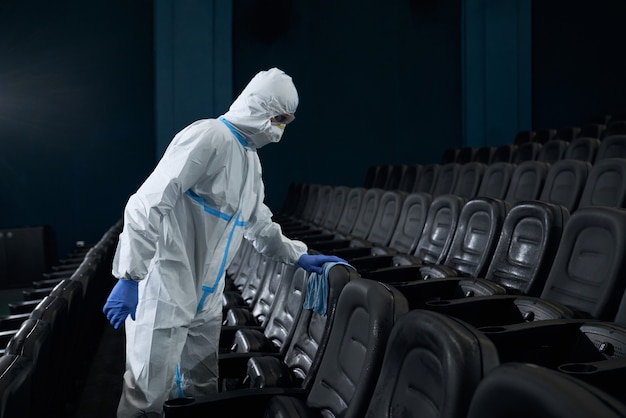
(577, 368)
(438, 302)
(180, 401)
(489, 330)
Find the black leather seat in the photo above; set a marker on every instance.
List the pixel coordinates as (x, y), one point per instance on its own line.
(278, 328)
(446, 179)
(432, 246)
(428, 178)
(394, 176)
(337, 202)
(474, 240)
(465, 155)
(15, 386)
(565, 183)
(552, 151)
(585, 280)
(582, 148)
(361, 225)
(257, 313)
(612, 146)
(606, 184)
(346, 221)
(484, 154)
(523, 255)
(366, 313)
(432, 366)
(504, 153)
(527, 152)
(527, 181)
(405, 234)
(319, 211)
(409, 178)
(518, 390)
(289, 354)
(496, 180)
(377, 233)
(469, 179)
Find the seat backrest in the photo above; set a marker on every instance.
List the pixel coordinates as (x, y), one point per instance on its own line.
(565, 183)
(312, 200)
(15, 386)
(291, 200)
(496, 180)
(367, 310)
(409, 177)
(594, 130)
(446, 179)
(441, 223)
(427, 178)
(248, 272)
(449, 155)
(386, 219)
(323, 204)
(519, 390)
(503, 153)
(606, 184)
(381, 176)
(567, 133)
(588, 270)
(285, 313)
(370, 175)
(33, 341)
(527, 181)
(552, 151)
(523, 137)
(526, 152)
(338, 201)
(432, 366)
(394, 176)
(530, 236)
(411, 222)
(615, 127)
(469, 179)
(367, 212)
(465, 155)
(544, 135)
(312, 331)
(262, 308)
(583, 148)
(350, 210)
(612, 146)
(484, 154)
(476, 235)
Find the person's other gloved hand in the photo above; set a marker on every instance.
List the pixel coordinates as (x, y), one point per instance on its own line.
(122, 302)
(314, 263)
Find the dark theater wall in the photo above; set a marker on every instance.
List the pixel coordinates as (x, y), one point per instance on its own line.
(378, 84)
(579, 67)
(76, 113)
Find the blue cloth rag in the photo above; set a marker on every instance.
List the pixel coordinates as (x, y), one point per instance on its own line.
(316, 296)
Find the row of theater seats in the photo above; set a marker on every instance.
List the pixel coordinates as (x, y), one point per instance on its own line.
(571, 183)
(492, 309)
(587, 148)
(50, 337)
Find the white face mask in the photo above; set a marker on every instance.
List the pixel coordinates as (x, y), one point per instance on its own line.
(269, 93)
(270, 134)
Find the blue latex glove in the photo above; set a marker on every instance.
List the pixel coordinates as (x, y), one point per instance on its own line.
(122, 302)
(314, 263)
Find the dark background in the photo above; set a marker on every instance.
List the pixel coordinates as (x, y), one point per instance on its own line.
(379, 82)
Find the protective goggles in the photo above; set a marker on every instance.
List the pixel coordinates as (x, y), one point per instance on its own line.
(284, 119)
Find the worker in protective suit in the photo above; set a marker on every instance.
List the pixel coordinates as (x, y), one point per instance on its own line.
(181, 230)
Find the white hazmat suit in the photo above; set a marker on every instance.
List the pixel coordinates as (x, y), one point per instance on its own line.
(181, 230)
